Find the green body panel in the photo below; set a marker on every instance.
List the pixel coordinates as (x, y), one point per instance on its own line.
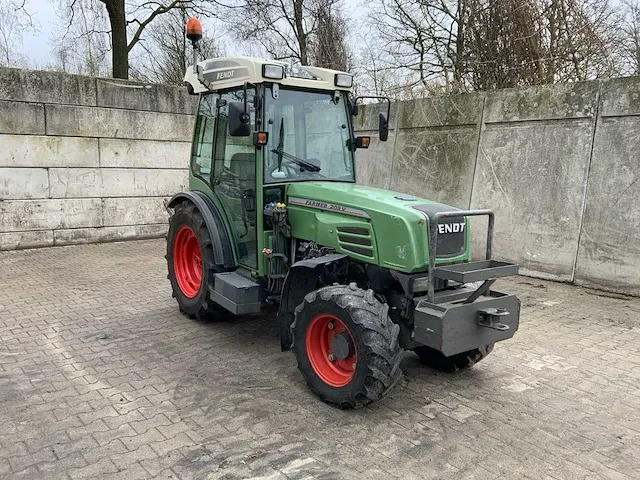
(398, 231)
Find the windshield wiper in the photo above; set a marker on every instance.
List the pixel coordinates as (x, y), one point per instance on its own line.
(298, 161)
(282, 154)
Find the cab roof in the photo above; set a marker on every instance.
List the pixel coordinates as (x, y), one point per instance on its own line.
(228, 72)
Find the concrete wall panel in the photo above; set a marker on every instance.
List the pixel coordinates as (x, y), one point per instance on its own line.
(534, 177)
(134, 211)
(609, 254)
(23, 183)
(116, 123)
(436, 163)
(373, 164)
(20, 240)
(46, 87)
(42, 151)
(108, 234)
(49, 214)
(441, 111)
(143, 96)
(620, 96)
(21, 118)
(115, 182)
(545, 102)
(124, 153)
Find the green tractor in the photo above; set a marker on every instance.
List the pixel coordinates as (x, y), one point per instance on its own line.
(274, 218)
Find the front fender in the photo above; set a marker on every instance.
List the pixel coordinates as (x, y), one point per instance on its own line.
(303, 277)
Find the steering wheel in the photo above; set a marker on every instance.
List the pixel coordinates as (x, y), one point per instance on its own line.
(230, 173)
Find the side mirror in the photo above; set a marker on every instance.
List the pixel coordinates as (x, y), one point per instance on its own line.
(383, 120)
(354, 110)
(383, 127)
(238, 120)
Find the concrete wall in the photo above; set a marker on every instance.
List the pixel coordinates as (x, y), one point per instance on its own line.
(559, 164)
(87, 160)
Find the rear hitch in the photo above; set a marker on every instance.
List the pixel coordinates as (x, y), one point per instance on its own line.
(488, 317)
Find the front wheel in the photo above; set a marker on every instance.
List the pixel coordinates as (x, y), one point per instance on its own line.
(346, 345)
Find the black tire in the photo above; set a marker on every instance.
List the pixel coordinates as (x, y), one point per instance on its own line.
(199, 306)
(436, 360)
(377, 366)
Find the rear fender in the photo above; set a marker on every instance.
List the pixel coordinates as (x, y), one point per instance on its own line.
(222, 252)
(305, 276)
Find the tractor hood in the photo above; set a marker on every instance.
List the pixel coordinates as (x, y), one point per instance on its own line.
(374, 225)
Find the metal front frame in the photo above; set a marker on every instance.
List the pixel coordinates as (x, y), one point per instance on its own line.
(433, 239)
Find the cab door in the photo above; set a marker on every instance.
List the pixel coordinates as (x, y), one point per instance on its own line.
(234, 178)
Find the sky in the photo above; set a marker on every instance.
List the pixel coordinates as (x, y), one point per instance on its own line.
(36, 46)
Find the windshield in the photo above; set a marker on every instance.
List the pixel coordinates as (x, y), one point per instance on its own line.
(308, 137)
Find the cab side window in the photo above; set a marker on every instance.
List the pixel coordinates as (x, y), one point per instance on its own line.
(202, 149)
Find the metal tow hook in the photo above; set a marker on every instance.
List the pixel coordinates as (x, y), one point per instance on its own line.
(488, 317)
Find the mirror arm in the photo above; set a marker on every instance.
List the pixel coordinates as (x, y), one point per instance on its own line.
(386, 99)
(245, 115)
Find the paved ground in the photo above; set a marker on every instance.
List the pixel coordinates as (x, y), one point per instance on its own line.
(101, 377)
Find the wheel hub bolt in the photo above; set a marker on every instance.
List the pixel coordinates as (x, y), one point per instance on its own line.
(330, 325)
(331, 357)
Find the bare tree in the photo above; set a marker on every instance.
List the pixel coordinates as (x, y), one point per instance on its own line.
(167, 52)
(454, 45)
(83, 44)
(503, 44)
(418, 39)
(285, 29)
(14, 20)
(329, 47)
(128, 21)
(629, 38)
(579, 37)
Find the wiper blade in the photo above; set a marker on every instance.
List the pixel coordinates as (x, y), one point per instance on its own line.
(299, 161)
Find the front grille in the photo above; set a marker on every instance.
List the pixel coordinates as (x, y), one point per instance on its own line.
(450, 237)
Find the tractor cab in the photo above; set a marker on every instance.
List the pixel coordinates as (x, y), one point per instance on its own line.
(262, 125)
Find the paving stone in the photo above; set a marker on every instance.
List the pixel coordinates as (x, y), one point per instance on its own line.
(102, 377)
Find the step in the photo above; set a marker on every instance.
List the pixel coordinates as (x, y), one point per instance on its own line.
(236, 293)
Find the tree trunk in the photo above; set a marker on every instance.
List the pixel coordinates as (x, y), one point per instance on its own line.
(458, 64)
(119, 51)
(300, 32)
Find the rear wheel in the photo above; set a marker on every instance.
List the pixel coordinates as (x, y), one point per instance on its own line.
(190, 260)
(436, 360)
(346, 345)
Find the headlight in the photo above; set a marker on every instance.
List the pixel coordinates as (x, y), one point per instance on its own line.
(344, 80)
(275, 72)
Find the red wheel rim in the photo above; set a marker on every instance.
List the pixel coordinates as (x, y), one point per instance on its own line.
(333, 370)
(187, 261)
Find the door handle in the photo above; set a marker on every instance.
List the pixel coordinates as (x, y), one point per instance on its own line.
(248, 200)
